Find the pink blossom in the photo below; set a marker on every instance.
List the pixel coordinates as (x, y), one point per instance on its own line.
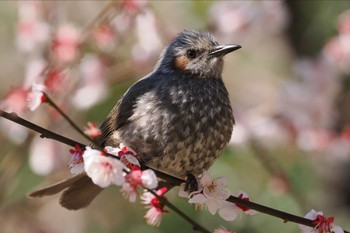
(244, 18)
(337, 52)
(76, 163)
(149, 179)
(15, 100)
(214, 188)
(33, 71)
(156, 208)
(154, 216)
(134, 180)
(321, 223)
(126, 155)
(92, 87)
(32, 31)
(229, 211)
(344, 22)
(134, 5)
(66, 42)
(102, 170)
(104, 36)
(14, 132)
(129, 192)
(42, 156)
(36, 96)
(211, 192)
(92, 131)
(54, 80)
(149, 41)
(137, 178)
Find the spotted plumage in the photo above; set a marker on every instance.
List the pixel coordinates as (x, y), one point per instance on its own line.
(178, 119)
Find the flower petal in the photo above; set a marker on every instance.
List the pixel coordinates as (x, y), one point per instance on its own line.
(250, 212)
(217, 192)
(213, 205)
(101, 169)
(206, 180)
(197, 199)
(153, 216)
(312, 215)
(149, 179)
(220, 181)
(337, 229)
(228, 211)
(132, 159)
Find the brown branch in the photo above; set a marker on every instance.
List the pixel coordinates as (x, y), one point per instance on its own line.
(286, 217)
(275, 169)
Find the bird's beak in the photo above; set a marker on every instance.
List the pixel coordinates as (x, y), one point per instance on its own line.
(222, 50)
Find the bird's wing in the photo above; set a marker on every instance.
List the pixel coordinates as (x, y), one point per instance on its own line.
(123, 110)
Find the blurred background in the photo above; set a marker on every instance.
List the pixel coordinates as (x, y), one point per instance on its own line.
(289, 86)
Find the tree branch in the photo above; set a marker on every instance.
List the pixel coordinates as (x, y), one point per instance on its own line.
(286, 217)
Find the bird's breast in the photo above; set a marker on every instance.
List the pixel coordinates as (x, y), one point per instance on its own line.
(180, 128)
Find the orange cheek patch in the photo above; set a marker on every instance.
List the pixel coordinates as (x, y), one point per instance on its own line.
(181, 62)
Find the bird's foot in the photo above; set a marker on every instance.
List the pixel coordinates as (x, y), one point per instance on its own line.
(191, 184)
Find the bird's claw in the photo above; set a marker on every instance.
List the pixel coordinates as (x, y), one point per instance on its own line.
(191, 184)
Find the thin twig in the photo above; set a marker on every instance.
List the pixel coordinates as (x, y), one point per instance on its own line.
(286, 217)
(67, 118)
(164, 201)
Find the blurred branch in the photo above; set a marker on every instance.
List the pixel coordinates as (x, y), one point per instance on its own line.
(276, 170)
(286, 217)
(85, 33)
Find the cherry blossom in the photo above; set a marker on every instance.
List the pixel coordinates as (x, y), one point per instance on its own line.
(344, 22)
(156, 209)
(33, 71)
(54, 79)
(92, 84)
(65, 44)
(14, 132)
(229, 211)
(149, 41)
(134, 5)
(149, 179)
(104, 37)
(320, 223)
(15, 100)
(126, 155)
(42, 156)
(92, 130)
(32, 31)
(129, 192)
(36, 96)
(211, 192)
(247, 17)
(102, 170)
(138, 178)
(76, 163)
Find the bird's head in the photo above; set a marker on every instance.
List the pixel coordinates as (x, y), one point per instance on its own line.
(195, 53)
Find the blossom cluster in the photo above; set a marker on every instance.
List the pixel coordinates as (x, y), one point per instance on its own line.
(212, 193)
(71, 62)
(321, 224)
(121, 169)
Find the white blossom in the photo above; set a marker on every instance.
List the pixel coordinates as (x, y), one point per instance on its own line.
(101, 169)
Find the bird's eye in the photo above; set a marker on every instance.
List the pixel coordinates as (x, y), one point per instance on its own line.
(191, 53)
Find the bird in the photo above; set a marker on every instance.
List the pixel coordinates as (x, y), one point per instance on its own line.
(178, 119)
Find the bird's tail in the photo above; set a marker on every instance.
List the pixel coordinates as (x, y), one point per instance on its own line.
(80, 191)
